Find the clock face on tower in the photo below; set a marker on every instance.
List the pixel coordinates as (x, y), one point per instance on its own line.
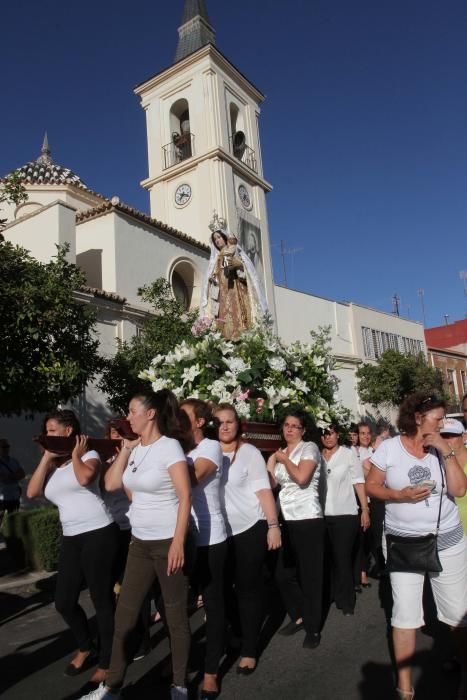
(182, 195)
(244, 197)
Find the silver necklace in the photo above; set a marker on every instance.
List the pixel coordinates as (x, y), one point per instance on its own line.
(136, 466)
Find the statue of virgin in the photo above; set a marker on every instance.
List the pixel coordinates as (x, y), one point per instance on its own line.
(232, 292)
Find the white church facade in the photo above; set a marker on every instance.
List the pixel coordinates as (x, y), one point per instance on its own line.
(204, 155)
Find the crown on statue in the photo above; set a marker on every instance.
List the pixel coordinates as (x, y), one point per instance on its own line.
(218, 223)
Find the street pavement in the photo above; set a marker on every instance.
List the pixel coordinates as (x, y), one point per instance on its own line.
(353, 661)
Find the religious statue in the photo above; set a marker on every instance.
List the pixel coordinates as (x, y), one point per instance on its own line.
(232, 292)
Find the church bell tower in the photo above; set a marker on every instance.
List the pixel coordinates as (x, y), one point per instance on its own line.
(202, 118)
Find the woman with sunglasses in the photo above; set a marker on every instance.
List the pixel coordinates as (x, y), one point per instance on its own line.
(418, 478)
(344, 481)
(299, 574)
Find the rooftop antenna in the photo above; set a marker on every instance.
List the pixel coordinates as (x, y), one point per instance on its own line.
(284, 252)
(396, 300)
(446, 319)
(421, 294)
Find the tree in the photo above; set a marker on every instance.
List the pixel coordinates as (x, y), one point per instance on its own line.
(395, 376)
(12, 191)
(169, 325)
(49, 351)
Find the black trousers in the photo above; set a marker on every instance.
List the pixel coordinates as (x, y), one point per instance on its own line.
(342, 532)
(208, 579)
(299, 572)
(377, 513)
(88, 557)
(245, 584)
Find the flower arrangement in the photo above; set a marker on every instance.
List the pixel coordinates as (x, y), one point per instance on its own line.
(259, 374)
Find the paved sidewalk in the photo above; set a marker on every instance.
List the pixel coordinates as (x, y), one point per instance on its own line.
(352, 662)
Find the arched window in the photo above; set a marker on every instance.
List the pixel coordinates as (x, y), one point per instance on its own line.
(181, 144)
(185, 281)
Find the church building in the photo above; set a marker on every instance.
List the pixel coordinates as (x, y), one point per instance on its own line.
(204, 160)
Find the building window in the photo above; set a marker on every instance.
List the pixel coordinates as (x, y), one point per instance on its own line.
(451, 382)
(376, 342)
(464, 381)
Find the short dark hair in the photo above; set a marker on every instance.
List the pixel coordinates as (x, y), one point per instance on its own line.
(64, 417)
(416, 403)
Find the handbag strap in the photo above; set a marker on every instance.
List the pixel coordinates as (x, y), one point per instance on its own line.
(441, 468)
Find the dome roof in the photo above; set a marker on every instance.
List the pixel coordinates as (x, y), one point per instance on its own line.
(43, 171)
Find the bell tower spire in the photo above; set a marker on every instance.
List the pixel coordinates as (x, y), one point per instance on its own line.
(196, 29)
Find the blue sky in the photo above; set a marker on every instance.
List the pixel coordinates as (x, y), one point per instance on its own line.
(373, 189)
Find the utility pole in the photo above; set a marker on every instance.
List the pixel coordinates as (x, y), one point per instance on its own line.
(421, 294)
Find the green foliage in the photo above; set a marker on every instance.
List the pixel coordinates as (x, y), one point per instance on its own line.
(49, 351)
(395, 376)
(169, 325)
(33, 538)
(12, 191)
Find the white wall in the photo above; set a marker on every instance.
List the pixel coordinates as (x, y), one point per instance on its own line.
(44, 229)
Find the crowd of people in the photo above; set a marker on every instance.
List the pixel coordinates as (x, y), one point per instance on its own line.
(188, 505)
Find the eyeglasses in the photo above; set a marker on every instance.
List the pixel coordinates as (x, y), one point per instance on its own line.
(291, 426)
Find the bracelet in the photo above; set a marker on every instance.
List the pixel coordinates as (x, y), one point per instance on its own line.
(273, 525)
(449, 455)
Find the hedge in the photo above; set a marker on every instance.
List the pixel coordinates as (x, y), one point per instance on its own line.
(33, 538)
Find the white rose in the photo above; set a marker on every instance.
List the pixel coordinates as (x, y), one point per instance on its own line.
(159, 384)
(277, 363)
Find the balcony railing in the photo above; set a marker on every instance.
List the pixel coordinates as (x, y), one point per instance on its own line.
(243, 152)
(180, 148)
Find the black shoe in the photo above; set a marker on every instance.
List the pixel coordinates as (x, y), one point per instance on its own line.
(358, 589)
(71, 670)
(209, 694)
(366, 585)
(312, 640)
(290, 628)
(245, 670)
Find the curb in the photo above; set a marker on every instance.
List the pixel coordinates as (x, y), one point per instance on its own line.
(24, 580)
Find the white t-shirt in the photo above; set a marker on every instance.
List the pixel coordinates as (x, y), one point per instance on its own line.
(81, 508)
(363, 453)
(154, 506)
(300, 502)
(118, 505)
(206, 510)
(240, 482)
(403, 469)
(343, 470)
